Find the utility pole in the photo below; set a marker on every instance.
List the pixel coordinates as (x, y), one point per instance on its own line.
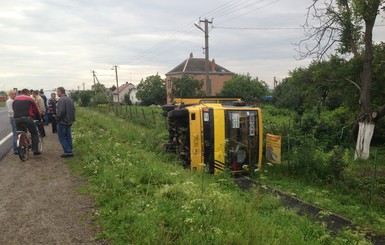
(93, 77)
(115, 67)
(275, 82)
(84, 88)
(206, 31)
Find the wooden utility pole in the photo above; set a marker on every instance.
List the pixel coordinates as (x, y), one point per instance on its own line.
(115, 67)
(207, 68)
(94, 76)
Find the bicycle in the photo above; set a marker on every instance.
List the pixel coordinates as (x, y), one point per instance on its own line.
(24, 142)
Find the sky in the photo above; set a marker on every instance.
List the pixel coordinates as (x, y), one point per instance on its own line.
(50, 43)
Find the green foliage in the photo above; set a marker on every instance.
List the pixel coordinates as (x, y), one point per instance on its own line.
(145, 197)
(113, 88)
(186, 87)
(321, 85)
(321, 162)
(325, 96)
(101, 94)
(244, 86)
(336, 163)
(98, 95)
(83, 97)
(147, 116)
(313, 164)
(289, 95)
(127, 100)
(152, 90)
(378, 84)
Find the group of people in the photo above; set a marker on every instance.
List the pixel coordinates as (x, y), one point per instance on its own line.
(29, 105)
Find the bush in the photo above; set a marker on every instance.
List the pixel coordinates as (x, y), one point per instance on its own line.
(337, 162)
(312, 163)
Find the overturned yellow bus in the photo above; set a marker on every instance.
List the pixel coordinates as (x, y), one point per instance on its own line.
(213, 134)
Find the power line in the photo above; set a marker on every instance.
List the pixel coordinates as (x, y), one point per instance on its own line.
(232, 10)
(260, 28)
(226, 7)
(268, 28)
(270, 3)
(175, 39)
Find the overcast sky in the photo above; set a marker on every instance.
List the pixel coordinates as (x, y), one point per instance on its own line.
(51, 43)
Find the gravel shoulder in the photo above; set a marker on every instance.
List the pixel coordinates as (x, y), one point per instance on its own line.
(39, 202)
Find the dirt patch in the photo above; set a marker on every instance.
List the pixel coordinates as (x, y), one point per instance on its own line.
(39, 203)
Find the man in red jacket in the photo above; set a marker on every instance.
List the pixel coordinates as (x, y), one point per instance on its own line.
(25, 112)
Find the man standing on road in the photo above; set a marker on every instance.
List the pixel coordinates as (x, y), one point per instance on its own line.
(9, 102)
(40, 105)
(65, 116)
(52, 112)
(25, 111)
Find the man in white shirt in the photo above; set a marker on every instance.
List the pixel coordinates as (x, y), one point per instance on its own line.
(9, 102)
(40, 105)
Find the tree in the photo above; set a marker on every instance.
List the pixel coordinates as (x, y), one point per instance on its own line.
(289, 94)
(340, 23)
(152, 90)
(102, 95)
(186, 87)
(244, 86)
(85, 97)
(113, 88)
(127, 99)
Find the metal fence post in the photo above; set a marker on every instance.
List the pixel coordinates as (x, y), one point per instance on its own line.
(288, 150)
(374, 175)
(144, 115)
(153, 116)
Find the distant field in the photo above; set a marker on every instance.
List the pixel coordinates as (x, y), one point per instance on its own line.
(2, 104)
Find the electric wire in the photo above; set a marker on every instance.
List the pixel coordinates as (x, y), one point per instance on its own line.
(178, 38)
(252, 10)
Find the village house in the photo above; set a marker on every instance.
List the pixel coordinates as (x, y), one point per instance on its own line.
(195, 68)
(126, 88)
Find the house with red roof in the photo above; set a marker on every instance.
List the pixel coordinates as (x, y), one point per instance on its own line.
(126, 88)
(195, 68)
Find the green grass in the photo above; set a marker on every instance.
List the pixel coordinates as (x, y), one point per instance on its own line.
(2, 104)
(144, 196)
(357, 194)
(364, 210)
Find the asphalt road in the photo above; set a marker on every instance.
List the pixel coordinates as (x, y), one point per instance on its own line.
(5, 133)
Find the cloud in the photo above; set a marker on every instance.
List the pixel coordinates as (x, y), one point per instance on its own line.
(51, 43)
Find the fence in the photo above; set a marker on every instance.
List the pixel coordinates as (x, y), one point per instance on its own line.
(146, 116)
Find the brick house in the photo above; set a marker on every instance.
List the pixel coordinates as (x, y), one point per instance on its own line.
(195, 68)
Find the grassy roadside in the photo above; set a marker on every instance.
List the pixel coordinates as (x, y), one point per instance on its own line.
(364, 210)
(358, 191)
(144, 196)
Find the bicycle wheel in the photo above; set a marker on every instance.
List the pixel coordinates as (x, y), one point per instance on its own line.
(22, 146)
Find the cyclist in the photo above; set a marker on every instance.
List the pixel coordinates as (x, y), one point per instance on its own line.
(25, 112)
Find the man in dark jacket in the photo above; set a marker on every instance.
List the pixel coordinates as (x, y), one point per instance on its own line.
(25, 112)
(65, 116)
(51, 112)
